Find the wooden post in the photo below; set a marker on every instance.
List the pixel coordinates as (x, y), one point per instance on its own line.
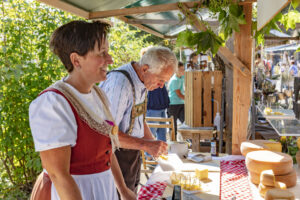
(242, 84)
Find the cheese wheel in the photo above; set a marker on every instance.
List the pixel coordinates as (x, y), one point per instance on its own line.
(273, 194)
(267, 177)
(256, 145)
(258, 161)
(263, 189)
(289, 179)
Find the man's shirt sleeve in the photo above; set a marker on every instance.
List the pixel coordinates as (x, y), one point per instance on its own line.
(119, 92)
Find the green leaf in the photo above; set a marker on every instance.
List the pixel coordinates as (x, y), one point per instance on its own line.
(295, 4)
(298, 50)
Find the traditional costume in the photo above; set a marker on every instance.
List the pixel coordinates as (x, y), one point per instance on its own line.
(128, 97)
(62, 116)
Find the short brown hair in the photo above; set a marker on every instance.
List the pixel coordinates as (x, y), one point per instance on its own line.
(79, 37)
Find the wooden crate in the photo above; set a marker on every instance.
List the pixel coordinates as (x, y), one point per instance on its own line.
(200, 88)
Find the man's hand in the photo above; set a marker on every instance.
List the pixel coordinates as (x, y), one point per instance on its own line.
(128, 195)
(157, 148)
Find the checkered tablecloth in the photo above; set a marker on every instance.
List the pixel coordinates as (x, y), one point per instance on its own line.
(234, 181)
(152, 191)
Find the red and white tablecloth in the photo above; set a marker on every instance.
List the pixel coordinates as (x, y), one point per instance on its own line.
(234, 182)
(152, 191)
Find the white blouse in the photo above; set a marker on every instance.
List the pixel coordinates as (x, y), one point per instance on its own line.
(52, 121)
(53, 125)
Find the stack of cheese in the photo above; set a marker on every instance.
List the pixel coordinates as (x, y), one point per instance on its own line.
(271, 169)
(256, 145)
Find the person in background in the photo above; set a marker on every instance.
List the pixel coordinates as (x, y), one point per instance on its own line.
(71, 123)
(176, 95)
(259, 71)
(193, 62)
(126, 88)
(293, 70)
(157, 104)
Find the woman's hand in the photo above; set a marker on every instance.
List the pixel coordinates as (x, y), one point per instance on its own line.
(128, 194)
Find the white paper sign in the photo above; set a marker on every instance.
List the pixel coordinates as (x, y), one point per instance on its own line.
(267, 9)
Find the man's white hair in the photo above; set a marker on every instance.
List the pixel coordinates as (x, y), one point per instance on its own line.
(159, 58)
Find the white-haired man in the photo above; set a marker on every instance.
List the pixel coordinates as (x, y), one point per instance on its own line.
(126, 88)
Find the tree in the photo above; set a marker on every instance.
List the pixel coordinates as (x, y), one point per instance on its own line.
(26, 68)
(125, 46)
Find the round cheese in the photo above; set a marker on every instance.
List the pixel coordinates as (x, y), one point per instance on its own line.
(290, 179)
(273, 194)
(258, 161)
(256, 145)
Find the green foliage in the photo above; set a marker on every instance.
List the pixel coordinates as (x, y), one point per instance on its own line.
(216, 5)
(298, 50)
(288, 20)
(230, 16)
(26, 68)
(260, 35)
(230, 19)
(204, 41)
(125, 46)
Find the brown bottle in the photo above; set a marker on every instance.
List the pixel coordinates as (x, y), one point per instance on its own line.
(214, 144)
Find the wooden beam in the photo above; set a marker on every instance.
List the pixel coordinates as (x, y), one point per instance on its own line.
(281, 38)
(153, 21)
(236, 63)
(138, 10)
(247, 2)
(242, 84)
(144, 28)
(67, 7)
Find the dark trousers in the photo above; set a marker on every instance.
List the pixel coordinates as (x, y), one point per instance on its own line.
(130, 164)
(177, 111)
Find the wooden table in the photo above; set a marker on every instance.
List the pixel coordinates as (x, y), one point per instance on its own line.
(214, 175)
(213, 185)
(196, 135)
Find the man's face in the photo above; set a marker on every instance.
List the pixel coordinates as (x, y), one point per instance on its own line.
(155, 80)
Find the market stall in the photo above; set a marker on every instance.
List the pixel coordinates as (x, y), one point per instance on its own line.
(227, 176)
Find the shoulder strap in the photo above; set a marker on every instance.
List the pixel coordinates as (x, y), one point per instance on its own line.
(132, 118)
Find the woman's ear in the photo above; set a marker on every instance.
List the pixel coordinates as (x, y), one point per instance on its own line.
(75, 60)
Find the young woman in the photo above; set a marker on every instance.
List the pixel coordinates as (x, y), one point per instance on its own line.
(71, 123)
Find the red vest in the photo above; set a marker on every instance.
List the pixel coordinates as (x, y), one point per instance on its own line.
(92, 151)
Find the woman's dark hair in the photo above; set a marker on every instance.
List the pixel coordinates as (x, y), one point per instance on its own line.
(79, 37)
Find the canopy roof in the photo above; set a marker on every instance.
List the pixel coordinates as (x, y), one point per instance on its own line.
(286, 47)
(159, 18)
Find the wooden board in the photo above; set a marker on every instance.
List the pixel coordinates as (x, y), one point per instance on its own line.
(242, 84)
(207, 92)
(217, 88)
(198, 97)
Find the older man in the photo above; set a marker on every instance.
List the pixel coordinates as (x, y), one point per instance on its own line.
(126, 88)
